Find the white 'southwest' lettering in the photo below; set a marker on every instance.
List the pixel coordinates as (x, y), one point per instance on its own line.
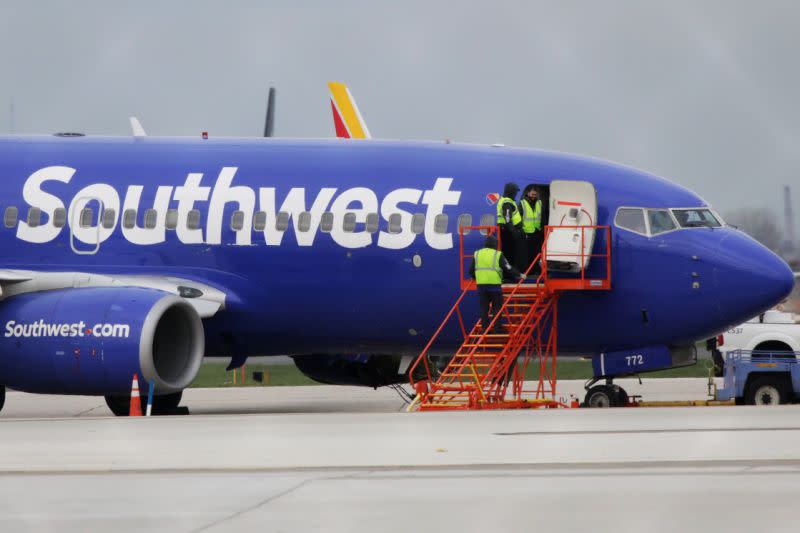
(224, 193)
(74, 329)
(293, 205)
(360, 201)
(33, 194)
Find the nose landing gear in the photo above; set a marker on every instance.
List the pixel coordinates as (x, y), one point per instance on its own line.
(607, 395)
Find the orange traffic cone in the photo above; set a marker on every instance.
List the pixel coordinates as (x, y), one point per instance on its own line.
(136, 403)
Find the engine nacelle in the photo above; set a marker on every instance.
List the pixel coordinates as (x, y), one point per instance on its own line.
(91, 341)
(358, 369)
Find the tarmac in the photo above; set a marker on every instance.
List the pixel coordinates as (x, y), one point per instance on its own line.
(345, 459)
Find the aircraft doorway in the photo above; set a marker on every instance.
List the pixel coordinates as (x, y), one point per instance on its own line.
(85, 225)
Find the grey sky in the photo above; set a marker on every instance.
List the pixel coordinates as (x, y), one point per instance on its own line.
(703, 93)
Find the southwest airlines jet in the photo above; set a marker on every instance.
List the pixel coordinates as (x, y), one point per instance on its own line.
(143, 255)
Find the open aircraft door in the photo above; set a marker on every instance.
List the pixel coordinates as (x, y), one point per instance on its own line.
(573, 212)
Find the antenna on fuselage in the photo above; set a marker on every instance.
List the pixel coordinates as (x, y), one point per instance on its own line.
(136, 126)
(269, 122)
(11, 118)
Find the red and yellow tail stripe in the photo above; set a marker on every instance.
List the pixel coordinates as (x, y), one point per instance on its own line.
(346, 117)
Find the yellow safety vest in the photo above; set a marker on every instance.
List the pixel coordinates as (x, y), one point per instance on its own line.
(531, 216)
(515, 218)
(487, 267)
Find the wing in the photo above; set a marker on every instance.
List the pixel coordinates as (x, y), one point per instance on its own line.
(206, 300)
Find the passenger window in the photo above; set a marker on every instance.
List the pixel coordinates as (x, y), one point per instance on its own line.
(631, 219)
(109, 218)
(172, 219)
(10, 216)
(464, 221)
(660, 221)
(260, 220)
(440, 223)
(150, 218)
(237, 220)
(59, 217)
(86, 217)
(372, 222)
(418, 223)
(34, 217)
(193, 219)
(395, 223)
(282, 221)
(304, 221)
(349, 222)
(487, 220)
(326, 224)
(129, 218)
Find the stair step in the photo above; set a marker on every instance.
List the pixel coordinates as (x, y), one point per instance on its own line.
(485, 345)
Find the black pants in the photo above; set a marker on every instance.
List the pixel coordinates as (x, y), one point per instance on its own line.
(533, 247)
(513, 246)
(490, 298)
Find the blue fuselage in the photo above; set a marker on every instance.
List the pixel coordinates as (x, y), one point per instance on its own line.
(305, 290)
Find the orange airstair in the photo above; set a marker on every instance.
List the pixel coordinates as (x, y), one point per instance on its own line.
(488, 369)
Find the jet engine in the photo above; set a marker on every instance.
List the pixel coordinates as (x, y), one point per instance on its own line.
(92, 340)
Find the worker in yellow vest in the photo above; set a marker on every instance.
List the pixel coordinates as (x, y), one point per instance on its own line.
(488, 265)
(510, 222)
(531, 207)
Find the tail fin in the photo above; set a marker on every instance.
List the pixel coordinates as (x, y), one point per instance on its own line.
(346, 117)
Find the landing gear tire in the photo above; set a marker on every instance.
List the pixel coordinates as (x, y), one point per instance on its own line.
(622, 397)
(2, 397)
(163, 404)
(119, 404)
(167, 403)
(602, 396)
(767, 390)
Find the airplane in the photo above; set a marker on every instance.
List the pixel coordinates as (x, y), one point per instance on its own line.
(144, 254)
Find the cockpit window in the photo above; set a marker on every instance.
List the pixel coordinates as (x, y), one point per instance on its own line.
(696, 218)
(631, 219)
(660, 221)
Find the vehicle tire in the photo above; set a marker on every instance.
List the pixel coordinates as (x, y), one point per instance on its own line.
(767, 390)
(622, 397)
(601, 396)
(166, 403)
(2, 397)
(120, 404)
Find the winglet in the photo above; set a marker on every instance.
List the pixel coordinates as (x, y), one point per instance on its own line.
(347, 118)
(136, 126)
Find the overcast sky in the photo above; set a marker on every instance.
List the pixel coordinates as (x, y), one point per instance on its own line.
(703, 93)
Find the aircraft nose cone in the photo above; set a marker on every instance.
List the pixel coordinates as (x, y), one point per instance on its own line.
(749, 277)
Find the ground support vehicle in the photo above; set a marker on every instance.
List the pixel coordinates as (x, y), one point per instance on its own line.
(773, 331)
(760, 377)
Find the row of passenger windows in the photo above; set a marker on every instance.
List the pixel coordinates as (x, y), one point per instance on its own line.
(656, 221)
(108, 219)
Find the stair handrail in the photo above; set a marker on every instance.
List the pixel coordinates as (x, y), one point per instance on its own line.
(423, 355)
(471, 355)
